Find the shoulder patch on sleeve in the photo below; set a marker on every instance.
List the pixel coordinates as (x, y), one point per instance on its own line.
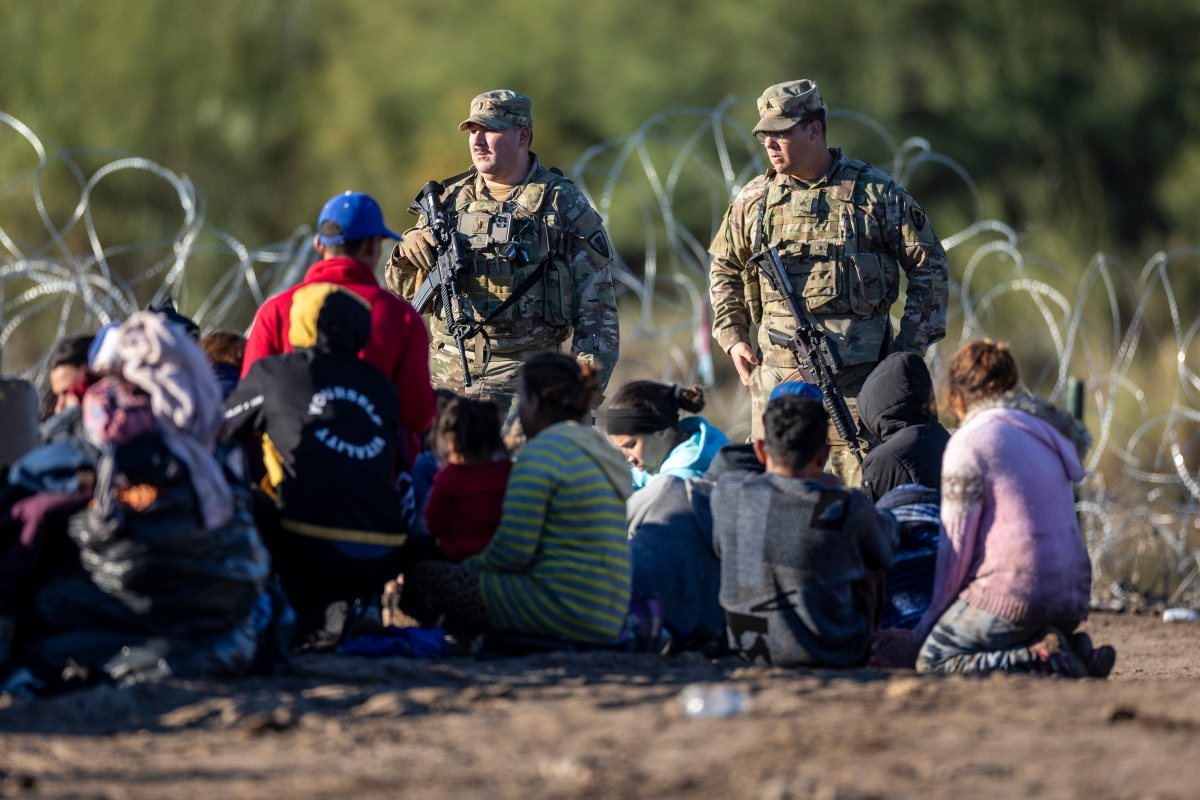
(918, 217)
(599, 243)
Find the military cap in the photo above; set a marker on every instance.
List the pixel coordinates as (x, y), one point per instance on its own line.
(784, 104)
(500, 110)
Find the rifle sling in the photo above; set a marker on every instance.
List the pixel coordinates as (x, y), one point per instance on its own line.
(477, 330)
(760, 234)
(522, 289)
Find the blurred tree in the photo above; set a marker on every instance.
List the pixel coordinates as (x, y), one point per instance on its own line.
(275, 105)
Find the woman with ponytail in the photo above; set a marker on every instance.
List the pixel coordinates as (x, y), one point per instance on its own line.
(643, 422)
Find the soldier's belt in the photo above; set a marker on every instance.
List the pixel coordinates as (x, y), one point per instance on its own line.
(513, 355)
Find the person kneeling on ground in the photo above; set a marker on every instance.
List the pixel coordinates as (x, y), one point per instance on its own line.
(559, 563)
(797, 547)
(897, 406)
(643, 422)
(1013, 576)
(337, 527)
(464, 505)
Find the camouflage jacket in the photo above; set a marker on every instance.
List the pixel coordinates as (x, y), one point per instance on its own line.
(842, 240)
(555, 224)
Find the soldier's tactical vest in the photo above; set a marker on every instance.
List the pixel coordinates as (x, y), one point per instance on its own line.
(505, 242)
(829, 243)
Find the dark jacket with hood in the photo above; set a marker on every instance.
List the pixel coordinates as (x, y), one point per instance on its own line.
(330, 424)
(897, 407)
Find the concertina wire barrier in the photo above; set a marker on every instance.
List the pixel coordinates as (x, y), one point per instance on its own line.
(1139, 508)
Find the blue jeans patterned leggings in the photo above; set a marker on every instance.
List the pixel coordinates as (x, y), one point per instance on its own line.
(967, 639)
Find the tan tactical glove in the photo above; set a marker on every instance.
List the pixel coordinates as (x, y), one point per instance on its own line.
(420, 248)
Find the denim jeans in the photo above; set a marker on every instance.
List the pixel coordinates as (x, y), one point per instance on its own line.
(967, 639)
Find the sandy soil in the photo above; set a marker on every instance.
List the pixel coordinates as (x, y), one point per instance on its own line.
(606, 725)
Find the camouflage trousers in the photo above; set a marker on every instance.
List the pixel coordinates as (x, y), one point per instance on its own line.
(841, 461)
(967, 639)
(499, 384)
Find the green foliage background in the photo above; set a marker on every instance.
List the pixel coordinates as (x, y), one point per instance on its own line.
(1079, 116)
(1078, 119)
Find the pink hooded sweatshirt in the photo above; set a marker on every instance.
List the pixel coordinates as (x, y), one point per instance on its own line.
(1010, 543)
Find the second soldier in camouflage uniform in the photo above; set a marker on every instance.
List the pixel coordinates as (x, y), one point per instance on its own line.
(508, 201)
(844, 230)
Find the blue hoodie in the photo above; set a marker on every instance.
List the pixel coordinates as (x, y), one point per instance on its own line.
(689, 458)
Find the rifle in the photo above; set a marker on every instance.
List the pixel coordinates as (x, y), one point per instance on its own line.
(813, 351)
(442, 283)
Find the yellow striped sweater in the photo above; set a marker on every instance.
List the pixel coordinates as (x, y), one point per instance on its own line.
(559, 563)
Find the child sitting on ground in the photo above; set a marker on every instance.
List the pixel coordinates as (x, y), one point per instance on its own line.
(465, 501)
(795, 547)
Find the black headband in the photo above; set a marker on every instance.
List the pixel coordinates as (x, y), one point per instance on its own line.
(632, 421)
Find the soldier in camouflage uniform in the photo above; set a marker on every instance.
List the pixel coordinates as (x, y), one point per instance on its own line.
(505, 202)
(844, 230)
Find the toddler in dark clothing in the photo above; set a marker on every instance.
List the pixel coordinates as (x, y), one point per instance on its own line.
(464, 505)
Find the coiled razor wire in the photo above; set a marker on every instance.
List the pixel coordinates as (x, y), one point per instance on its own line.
(1140, 507)
(85, 292)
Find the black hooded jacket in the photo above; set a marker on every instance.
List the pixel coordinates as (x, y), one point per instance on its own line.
(897, 406)
(330, 422)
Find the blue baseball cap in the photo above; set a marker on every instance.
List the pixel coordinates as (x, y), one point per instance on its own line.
(355, 215)
(797, 389)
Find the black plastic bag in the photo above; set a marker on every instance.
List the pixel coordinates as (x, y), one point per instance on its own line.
(162, 563)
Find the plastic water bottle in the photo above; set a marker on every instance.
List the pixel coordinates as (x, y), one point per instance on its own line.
(1181, 615)
(711, 701)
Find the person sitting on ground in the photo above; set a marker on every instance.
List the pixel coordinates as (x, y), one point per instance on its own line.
(670, 542)
(463, 510)
(67, 363)
(908, 585)
(350, 232)
(898, 407)
(1013, 577)
(167, 562)
(796, 546)
(643, 422)
(225, 351)
(558, 565)
(426, 465)
(337, 529)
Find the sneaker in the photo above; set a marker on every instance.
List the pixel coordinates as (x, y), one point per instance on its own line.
(1099, 661)
(1055, 657)
(1080, 642)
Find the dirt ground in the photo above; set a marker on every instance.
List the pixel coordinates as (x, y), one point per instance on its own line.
(605, 725)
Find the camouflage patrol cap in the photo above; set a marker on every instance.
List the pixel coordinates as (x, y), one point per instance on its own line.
(784, 104)
(500, 110)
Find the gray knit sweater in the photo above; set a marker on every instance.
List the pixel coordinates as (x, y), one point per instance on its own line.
(791, 553)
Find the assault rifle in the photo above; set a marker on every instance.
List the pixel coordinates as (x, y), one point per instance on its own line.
(442, 283)
(813, 351)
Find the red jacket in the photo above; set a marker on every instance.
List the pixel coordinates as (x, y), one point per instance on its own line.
(398, 347)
